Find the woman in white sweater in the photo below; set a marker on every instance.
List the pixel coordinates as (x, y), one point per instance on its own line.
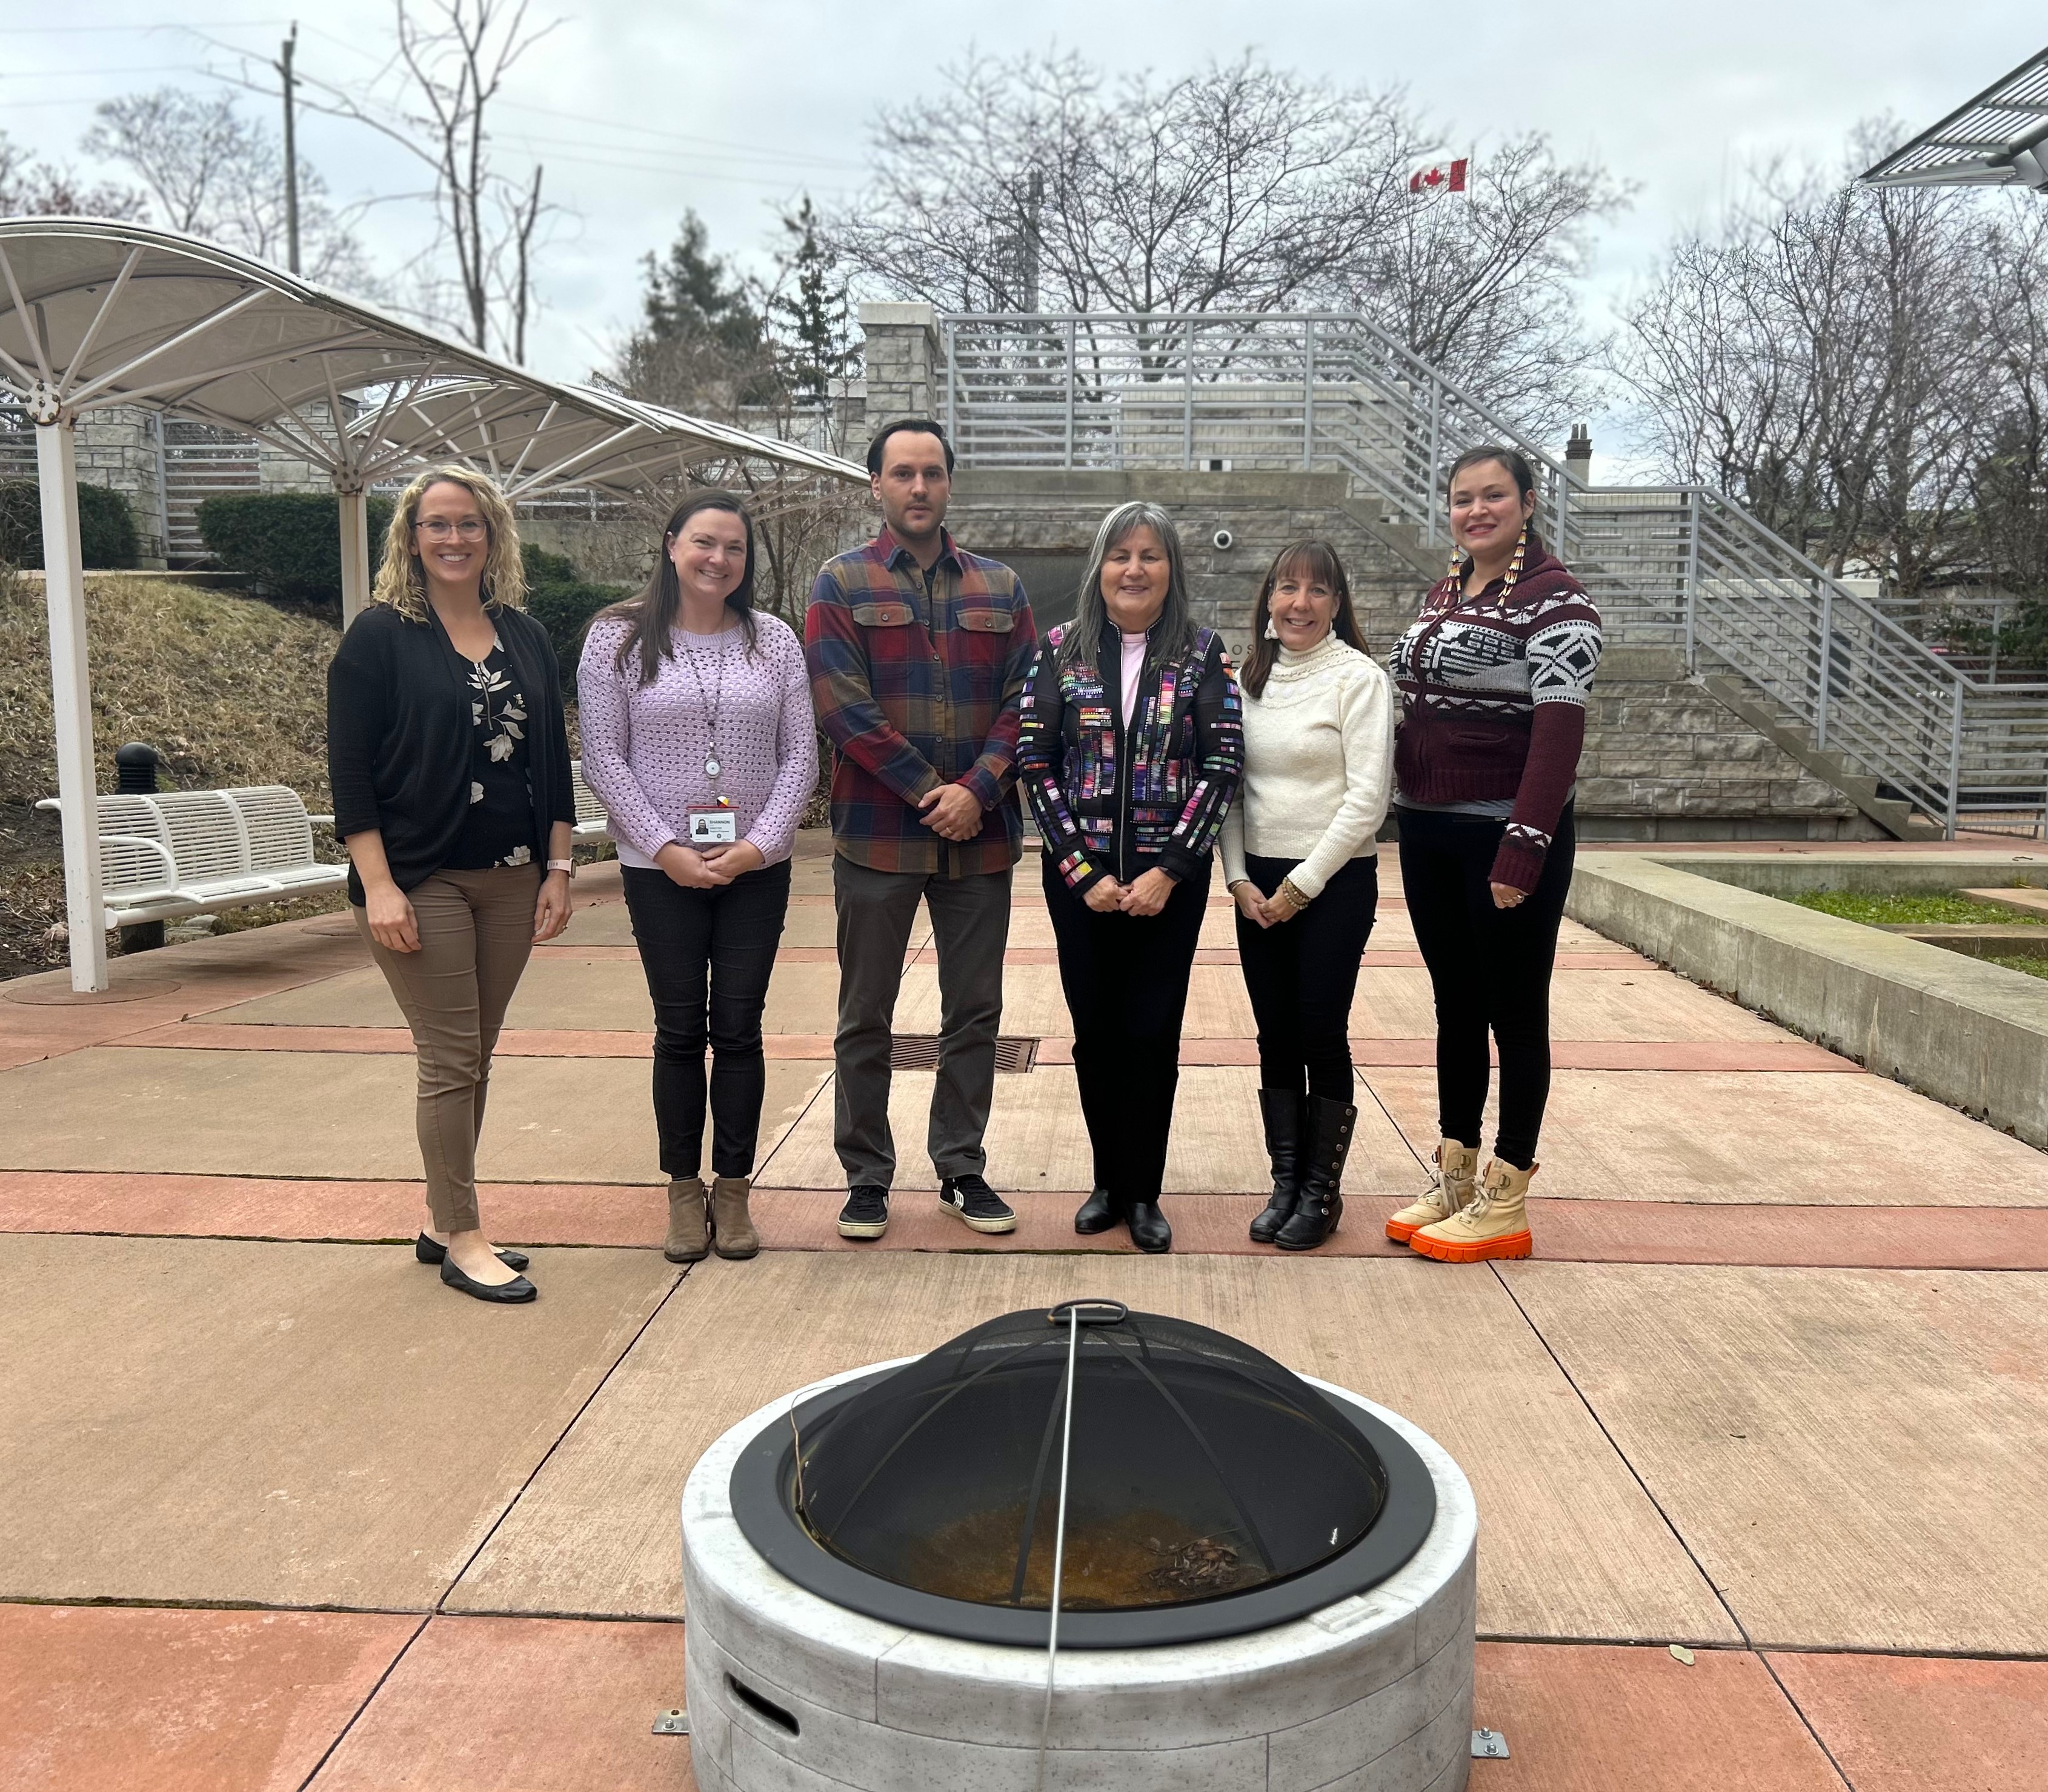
(1299, 858)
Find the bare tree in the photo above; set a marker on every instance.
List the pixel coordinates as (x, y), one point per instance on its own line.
(211, 171)
(32, 188)
(1239, 187)
(1821, 358)
(434, 99)
(1483, 284)
(1039, 183)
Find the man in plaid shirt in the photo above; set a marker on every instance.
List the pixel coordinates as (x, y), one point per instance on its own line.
(918, 652)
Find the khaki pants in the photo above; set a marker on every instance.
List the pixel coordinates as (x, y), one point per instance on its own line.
(971, 927)
(476, 933)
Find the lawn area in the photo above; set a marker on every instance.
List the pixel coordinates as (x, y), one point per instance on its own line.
(1928, 911)
(2033, 964)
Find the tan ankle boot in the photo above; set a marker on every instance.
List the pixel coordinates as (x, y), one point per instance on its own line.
(689, 1221)
(1457, 1175)
(731, 1226)
(1496, 1224)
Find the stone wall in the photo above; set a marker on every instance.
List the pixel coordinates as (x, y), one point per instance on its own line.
(117, 447)
(900, 355)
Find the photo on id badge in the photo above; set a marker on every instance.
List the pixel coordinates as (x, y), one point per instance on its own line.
(717, 825)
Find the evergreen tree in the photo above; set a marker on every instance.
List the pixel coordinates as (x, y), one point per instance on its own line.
(808, 311)
(693, 296)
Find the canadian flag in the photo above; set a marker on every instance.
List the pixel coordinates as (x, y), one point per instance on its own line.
(1439, 178)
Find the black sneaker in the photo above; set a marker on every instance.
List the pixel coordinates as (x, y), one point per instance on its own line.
(866, 1214)
(977, 1204)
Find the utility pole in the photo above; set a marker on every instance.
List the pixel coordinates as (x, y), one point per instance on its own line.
(283, 69)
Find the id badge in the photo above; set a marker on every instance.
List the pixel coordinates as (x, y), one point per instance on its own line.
(715, 826)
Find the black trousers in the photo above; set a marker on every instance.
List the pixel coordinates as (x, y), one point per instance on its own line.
(1301, 974)
(709, 954)
(1126, 980)
(1490, 969)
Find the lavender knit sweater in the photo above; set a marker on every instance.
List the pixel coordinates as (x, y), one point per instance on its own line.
(644, 745)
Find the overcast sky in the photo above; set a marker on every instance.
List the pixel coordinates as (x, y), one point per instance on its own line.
(733, 106)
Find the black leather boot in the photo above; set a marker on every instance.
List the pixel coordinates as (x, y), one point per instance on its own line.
(1097, 1214)
(1321, 1205)
(1149, 1230)
(1281, 1109)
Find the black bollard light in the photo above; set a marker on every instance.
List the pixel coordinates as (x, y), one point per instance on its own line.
(135, 769)
(135, 775)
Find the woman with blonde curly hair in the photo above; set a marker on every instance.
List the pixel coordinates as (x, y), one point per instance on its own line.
(449, 760)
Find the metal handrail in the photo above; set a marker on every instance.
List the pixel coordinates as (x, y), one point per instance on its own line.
(1683, 566)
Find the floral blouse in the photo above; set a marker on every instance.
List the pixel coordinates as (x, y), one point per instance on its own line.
(499, 827)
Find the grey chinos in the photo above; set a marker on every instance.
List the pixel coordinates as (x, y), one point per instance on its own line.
(971, 929)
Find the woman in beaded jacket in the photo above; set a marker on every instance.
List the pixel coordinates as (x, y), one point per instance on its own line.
(1494, 676)
(1129, 755)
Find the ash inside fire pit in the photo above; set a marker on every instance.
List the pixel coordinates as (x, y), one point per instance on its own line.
(1143, 1558)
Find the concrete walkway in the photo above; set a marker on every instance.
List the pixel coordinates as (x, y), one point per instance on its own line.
(277, 1510)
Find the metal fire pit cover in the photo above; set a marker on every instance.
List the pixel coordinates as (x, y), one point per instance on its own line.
(1212, 1491)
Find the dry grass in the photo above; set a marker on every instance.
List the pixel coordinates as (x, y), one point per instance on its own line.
(228, 689)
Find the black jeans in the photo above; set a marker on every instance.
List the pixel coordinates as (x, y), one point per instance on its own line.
(1125, 979)
(709, 954)
(1490, 969)
(1301, 974)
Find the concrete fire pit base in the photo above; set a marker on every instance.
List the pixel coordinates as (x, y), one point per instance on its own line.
(789, 1693)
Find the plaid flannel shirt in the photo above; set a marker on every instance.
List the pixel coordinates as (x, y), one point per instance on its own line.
(914, 690)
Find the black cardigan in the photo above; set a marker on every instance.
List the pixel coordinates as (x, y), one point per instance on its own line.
(399, 736)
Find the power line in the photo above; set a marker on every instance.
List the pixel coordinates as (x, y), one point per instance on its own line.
(210, 25)
(760, 151)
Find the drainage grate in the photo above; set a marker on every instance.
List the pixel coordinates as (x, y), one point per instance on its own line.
(920, 1051)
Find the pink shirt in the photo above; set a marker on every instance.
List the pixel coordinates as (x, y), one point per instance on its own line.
(1134, 663)
(644, 747)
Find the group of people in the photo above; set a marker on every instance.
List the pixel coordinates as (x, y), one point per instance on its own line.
(1142, 754)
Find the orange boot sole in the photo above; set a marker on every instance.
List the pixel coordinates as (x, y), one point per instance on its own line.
(1511, 1245)
(1401, 1232)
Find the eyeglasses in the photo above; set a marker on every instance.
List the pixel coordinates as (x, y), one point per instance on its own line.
(470, 529)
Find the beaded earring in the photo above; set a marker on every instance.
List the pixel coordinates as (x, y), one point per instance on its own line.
(1272, 632)
(1515, 566)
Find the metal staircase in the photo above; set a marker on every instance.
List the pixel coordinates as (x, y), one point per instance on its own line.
(1920, 745)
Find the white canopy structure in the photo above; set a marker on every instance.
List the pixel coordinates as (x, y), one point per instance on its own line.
(95, 313)
(1998, 139)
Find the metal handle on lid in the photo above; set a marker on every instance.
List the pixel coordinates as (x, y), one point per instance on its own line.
(1087, 1312)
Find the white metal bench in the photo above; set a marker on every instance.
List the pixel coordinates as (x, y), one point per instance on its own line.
(186, 852)
(591, 822)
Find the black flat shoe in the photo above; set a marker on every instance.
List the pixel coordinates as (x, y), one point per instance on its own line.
(429, 1252)
(1149, 1230)
(1097, 1214)
(507, 1293)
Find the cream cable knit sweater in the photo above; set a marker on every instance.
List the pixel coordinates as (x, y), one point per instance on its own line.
(1318, 764)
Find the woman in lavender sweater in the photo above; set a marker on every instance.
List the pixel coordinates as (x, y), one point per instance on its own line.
(697, 738)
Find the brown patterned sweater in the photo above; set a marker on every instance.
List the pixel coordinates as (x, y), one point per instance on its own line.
(1493, 703)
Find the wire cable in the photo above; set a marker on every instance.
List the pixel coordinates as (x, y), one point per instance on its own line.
(1059, 1540)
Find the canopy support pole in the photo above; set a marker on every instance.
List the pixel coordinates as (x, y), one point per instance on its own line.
(354, 554)
(70, 691)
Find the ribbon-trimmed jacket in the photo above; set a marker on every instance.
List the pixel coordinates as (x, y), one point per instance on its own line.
(1113, 795)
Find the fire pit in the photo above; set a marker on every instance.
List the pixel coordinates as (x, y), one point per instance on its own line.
(1264, 1581)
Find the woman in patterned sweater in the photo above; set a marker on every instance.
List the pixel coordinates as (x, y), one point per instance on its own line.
(1493, 676)
(697, 739)
(1131, 752)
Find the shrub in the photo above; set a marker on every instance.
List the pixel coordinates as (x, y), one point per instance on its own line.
(563, 604)
(289, 542)
(106, 524)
